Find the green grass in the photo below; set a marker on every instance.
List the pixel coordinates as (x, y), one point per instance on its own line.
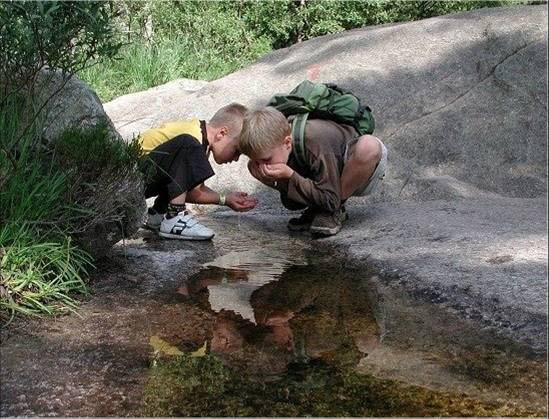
(142, 65)
(49, 194)
(41, 278)
(40, 266)
(207, 40)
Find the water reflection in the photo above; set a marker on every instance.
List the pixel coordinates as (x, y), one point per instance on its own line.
(270, 312)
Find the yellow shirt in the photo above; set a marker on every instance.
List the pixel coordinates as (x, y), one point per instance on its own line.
(153, 137)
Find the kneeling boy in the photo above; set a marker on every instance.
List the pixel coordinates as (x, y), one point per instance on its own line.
(338, 164)
(176, 165)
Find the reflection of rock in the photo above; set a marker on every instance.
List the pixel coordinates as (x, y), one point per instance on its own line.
(236, 299)
(243, 272)
(262, 266)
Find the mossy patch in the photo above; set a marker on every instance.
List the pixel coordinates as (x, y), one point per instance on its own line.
(205, 386)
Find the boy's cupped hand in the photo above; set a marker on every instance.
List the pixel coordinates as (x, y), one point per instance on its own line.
(241, 201)
(276, 171)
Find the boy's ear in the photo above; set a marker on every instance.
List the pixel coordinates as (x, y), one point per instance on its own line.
(221, 132)
(224, 131)
(288, 142)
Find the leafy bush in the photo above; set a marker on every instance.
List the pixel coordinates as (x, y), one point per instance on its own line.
(88, 154)
(101, 173)
(67, 35)
(50, 195)
(46, 199)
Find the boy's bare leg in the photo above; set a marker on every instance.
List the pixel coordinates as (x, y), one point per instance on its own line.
(180, 199)
(365, 155)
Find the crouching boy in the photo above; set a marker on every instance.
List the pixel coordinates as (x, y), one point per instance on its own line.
(338, 164)
(175, 165)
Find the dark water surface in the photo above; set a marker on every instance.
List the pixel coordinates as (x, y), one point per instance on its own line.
(270, 325)
(297, 333)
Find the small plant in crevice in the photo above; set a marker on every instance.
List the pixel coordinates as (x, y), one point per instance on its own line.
(102, 172)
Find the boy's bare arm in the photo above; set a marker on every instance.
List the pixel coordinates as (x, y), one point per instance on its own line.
(202, 195)
(238, 201)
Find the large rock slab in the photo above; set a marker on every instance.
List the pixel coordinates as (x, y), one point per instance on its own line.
(137, 112)
(461, 96)
(483, 258)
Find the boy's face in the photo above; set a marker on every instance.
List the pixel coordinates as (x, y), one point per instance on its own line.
(224, 148)
(275, 155)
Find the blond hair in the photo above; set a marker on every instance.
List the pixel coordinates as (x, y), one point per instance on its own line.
(230, 116)
(262, 129)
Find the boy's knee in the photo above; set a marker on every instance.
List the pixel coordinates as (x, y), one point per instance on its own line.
(367, 149)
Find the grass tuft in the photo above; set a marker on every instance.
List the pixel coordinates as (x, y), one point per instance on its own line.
(50, 194)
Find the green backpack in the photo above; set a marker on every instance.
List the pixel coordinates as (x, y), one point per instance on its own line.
(321, 101)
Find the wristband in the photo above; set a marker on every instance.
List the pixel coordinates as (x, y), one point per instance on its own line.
(222, 199)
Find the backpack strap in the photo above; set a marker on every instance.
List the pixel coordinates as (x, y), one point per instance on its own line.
(298, 137)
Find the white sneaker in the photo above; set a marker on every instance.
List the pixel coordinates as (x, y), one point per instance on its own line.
(153, 221)
(185, 227)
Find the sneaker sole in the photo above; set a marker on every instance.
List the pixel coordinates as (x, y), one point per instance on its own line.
(151, 228)
(180, 237)
(325, 231)
(299, 228)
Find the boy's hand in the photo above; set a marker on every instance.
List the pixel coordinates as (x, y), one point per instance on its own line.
(240, 201)
(256, 172)
(278, 171)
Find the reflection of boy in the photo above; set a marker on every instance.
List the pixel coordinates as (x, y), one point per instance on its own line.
(338, 164)
(177, 166)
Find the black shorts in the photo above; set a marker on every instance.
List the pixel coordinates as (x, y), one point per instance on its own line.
(175, 167)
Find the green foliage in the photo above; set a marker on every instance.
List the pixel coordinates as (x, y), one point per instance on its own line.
(89, 154)
(50, 195)
(191, 39)
(209, 39)
(300, 21)
(40, 277)
(35, 35)
(39, 265)
(144, 64)
(67, 35)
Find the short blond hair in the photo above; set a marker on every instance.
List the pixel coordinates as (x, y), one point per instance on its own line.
(230, 116)
(262, 129)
